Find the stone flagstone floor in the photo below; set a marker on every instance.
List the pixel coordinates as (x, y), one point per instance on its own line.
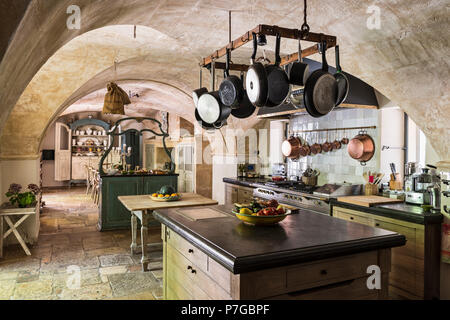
(68, 242)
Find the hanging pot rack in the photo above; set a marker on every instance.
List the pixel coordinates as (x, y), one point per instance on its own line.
(269, 30)
(334, 129)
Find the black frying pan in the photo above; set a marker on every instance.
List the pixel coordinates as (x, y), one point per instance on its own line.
(321, 89)
(203, 124)
(298, 72)
(246, 108)
(231, 89)
(342, 80)
(277, 79)
(256, 80)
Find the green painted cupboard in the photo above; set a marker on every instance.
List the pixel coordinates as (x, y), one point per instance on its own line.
(113, 215)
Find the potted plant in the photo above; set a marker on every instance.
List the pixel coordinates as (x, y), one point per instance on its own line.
(23, 199)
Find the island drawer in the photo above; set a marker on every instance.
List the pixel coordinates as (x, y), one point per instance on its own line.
(201, 260)
(191, 252)
(348, 290)
(198, 284)
(308, 275)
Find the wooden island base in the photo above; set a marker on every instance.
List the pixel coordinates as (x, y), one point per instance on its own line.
(190, 274)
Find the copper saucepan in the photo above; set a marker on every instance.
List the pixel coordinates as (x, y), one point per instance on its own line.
(337, 143)
(316, 148)
(305, 149)
(327, 146)
(362, 148)
(291, 148)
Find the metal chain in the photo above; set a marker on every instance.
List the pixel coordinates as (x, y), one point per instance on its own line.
(305, 26)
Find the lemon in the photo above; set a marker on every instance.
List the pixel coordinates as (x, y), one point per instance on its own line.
(174, 195)
(167, 196)
(161, 196)
(246, 211)
(154, 195)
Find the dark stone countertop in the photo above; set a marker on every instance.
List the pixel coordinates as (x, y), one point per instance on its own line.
(246, 182)
(302, 237)
(401, 211)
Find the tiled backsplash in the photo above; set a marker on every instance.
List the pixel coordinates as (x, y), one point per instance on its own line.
(336, 166)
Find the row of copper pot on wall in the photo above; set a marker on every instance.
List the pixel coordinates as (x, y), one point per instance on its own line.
(361, 148)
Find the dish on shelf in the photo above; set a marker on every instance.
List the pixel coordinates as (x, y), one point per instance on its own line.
(80, 143)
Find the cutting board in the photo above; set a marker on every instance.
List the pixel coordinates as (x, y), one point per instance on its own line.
(368, 201)
(201, 213)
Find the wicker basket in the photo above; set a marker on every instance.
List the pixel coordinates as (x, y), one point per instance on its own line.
(310, 181)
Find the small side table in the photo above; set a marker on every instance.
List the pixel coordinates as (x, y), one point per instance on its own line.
(6, 213)
(142, 207)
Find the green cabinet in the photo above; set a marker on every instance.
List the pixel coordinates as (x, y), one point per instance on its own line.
(113, 215)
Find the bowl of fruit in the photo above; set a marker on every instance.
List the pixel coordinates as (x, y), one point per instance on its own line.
(166, 194)
(261, 212)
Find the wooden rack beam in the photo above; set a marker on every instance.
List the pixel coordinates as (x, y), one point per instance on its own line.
(272, 31)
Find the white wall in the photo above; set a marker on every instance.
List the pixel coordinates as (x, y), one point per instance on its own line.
(223, 167)
(23, 172)
(392, 135)
(276, 139)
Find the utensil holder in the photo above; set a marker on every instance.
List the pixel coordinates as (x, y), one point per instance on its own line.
(310, 181)
(396, 184)
(371, 190)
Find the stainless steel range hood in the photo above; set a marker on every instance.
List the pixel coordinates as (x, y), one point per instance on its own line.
(361, 95)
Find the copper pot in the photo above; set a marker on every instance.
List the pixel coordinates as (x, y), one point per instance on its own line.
(316, 148)
(291, 148)
(305, 150)
(327, 147)
(361, 148)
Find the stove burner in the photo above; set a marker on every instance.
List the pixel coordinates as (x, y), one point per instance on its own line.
(292, 185)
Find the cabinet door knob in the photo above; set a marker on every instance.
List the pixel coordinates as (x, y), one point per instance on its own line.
(191, 250)
(324, 272)
(189, 268)
(193, 271)
(377, 224)
(351, 218)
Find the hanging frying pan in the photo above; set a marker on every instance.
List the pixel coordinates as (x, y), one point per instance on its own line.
(342, 81)
(321, 89)
(298, 72)
(203, 124)
(210, 108)
(277, 80)
(246, 108)
(231, 89)
(256, 80)
(196, 94)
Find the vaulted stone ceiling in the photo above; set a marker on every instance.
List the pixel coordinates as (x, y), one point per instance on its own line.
(47, 67)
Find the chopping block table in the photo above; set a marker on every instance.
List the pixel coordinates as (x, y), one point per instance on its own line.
(142, 207)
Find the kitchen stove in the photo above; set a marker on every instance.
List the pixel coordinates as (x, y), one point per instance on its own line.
(299, 195)
(294, 194)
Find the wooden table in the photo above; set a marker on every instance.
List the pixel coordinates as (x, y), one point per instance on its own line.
(142, 207)
(5, 214)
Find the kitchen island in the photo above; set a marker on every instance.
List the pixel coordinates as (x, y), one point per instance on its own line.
(210, 254)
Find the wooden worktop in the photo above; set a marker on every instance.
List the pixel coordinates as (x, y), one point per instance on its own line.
(144, 202)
